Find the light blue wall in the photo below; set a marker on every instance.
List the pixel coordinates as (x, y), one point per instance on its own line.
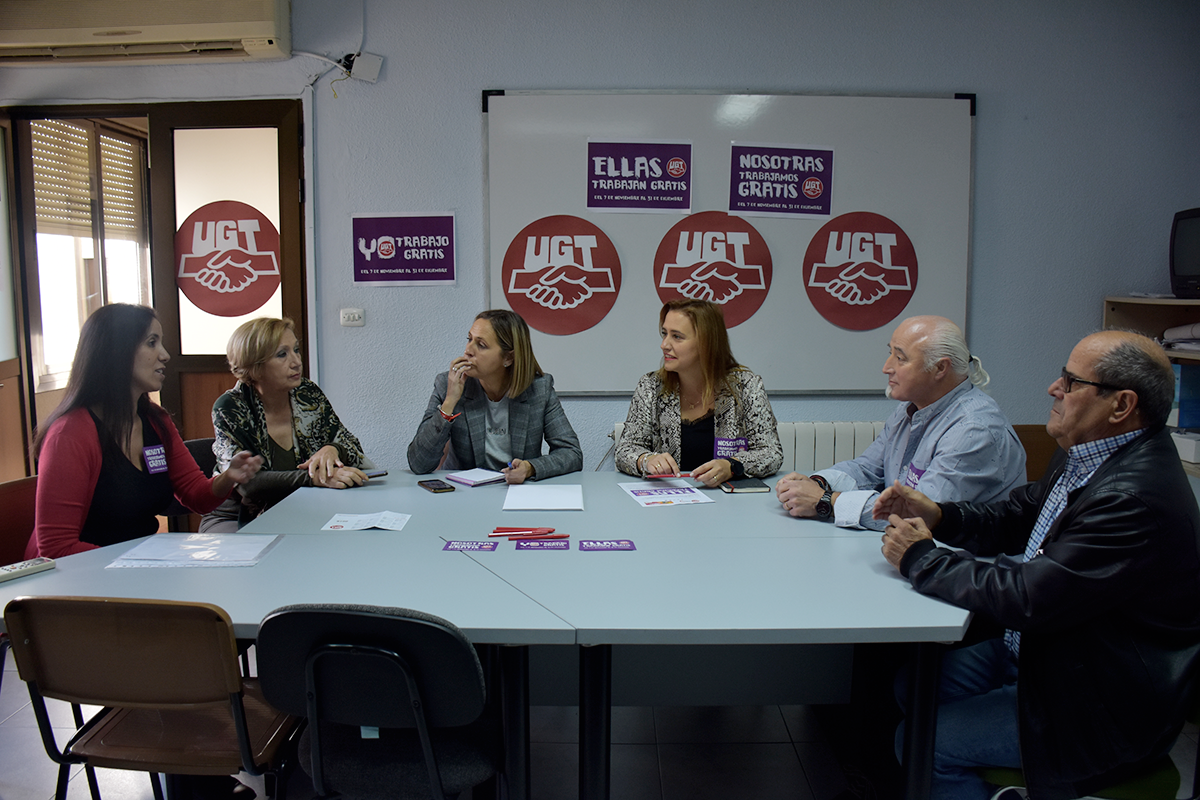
(1086, 144)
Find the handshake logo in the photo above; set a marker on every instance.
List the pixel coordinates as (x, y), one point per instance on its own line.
(225, 257)
(858, 268)
(711, 265)
(558, 272)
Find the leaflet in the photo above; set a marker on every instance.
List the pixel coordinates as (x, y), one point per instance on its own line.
(388, 520)
(671, 492)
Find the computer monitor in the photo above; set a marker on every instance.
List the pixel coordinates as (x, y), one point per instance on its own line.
(1185, 254)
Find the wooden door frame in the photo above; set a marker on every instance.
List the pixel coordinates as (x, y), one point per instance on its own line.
(286, 116)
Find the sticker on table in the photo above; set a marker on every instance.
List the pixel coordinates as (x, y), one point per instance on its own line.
(557, 544)
(598, 545)
(471, 546)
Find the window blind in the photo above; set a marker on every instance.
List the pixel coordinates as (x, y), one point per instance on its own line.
(62, 186)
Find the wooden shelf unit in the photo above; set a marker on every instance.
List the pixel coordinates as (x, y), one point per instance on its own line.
(1152, 316)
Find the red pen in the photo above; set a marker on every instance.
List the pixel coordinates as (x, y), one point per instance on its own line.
(511, 531)
(523, 536)
(669, 475)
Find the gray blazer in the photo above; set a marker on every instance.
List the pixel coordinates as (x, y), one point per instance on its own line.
(535, 415)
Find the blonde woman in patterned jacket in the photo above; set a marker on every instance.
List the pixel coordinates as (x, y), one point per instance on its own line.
(701, 412)
(275, 412)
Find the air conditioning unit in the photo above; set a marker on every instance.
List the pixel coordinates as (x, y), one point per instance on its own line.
(142, 31)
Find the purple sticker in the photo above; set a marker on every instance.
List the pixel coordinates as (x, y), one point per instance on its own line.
(783, 181)
(724, 448)
(156, 458)
(403, 250)
(549, 544)
(913, 476)
(639, 176)
(606, 544)
(471, 546)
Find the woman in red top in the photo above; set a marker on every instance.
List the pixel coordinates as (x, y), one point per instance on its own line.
(109, 460)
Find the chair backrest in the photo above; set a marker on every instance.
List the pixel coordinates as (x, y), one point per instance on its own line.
(1039, 449)
(120, 652)
(206, 459)
(357, 687)
(202, 451)
(17, 501)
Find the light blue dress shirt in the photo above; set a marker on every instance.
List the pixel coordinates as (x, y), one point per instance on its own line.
(958, 448)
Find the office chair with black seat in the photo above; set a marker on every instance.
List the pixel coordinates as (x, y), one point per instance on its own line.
(17, 501)
(166, 673)
(395, 700)
(206, 459)
(1159, 780)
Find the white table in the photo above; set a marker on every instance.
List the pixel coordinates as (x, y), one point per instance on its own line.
(737, 571)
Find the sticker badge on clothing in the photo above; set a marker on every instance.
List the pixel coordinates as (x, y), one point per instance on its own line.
(912, 476)
(724, 448)
(156, 458)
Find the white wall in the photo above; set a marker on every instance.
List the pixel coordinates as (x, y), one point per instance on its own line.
(1085, 146)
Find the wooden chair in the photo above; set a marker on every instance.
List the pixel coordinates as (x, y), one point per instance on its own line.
(166, 674)
(16, 510)
(1039, 449)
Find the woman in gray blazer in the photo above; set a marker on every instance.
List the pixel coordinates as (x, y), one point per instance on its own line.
(495, 406)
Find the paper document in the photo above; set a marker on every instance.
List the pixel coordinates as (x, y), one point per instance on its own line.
(387, 520)
(198, 550)
(476, 477)
(535, 497)
(673, 492)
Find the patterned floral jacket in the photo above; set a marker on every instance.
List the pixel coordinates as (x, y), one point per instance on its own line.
(653, 424)
(240, 423)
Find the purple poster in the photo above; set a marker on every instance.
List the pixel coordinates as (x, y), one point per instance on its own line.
(403, 249)
(769, 180)
(639, 176)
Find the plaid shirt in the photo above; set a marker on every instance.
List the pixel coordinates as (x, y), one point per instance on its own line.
(1082, 462)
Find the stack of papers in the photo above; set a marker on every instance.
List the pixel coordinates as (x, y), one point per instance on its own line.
(198, 550)
(476, 477)
(544, 497)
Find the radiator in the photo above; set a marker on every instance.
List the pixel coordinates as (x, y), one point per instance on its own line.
(810, 446)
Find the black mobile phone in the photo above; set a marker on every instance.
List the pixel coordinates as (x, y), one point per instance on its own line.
(375, 473)
(436, 486)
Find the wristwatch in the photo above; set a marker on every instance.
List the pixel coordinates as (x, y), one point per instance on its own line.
(736, 468)
(825, 505)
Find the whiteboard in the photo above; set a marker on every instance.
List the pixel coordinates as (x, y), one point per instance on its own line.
(903, 160)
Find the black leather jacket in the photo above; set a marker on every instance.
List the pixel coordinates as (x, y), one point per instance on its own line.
(1109, 611)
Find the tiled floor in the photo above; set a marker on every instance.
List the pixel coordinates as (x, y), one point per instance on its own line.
(693, 753)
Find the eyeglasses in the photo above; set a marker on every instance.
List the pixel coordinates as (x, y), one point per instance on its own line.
(1070, 380)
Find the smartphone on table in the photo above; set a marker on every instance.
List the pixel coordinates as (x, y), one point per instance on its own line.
(436, 486)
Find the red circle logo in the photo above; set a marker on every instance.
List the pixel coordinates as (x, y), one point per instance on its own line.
(561, 274)
(860, 271)
(813, 188)
(718, 257)
(676, 167)
(228, 258)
